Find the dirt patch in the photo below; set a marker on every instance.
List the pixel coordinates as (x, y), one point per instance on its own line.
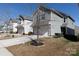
(51, 47)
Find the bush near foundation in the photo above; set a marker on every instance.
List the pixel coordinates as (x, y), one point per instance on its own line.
(58, 35)
(11, 31)
(30, 33)
(24, 34)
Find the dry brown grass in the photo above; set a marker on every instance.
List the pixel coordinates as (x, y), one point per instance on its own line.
(51, 47)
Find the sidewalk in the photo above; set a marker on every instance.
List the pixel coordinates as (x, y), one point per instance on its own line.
(15, 41)
(5, 52)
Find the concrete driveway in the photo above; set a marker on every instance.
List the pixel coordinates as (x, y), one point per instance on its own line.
(15, 41)
(10, 42)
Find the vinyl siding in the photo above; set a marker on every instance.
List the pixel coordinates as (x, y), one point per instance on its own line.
(43, 23)
(70, 23)
(56, 23)
(27, 26)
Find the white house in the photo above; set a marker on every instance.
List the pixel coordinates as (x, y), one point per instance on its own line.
(14, 25)
(52, 22)
(10, 26)
(25, 24)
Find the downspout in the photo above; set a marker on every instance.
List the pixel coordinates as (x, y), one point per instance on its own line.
(65, 25)
(50, 24)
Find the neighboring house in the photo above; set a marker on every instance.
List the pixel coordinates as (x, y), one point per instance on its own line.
(10, 26)
(7, 26)
(25, 24)
(1, 28)
(14, 26)
(52, 22)
(4, 29)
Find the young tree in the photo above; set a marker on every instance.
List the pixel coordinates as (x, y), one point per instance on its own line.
(38, 24)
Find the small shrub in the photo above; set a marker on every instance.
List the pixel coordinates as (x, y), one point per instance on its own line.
(23, 33)
(11, 31)
(58, 35)
(12, 36)
(30, 33)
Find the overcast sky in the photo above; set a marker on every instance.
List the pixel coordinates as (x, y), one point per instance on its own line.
(13, 10)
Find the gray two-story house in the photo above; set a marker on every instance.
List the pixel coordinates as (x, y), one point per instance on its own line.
(52, 22)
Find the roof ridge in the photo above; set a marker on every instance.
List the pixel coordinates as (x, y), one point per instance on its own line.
(59, 13)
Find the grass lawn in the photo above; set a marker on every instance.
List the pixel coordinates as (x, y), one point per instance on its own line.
(76, 54)
(51, 47)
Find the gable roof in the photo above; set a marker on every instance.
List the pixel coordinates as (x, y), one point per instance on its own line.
(25, 17)
(60, 14)
(65, 15)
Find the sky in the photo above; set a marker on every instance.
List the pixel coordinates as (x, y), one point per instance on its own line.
(13, 10)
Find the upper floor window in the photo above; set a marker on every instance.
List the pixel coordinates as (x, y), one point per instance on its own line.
(42, 17)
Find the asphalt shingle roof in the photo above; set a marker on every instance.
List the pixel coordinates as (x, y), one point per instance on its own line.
(61, 14)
